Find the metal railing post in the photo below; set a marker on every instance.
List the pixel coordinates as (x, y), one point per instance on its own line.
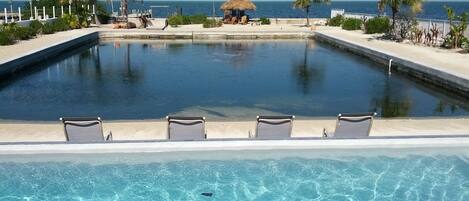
(6, 15)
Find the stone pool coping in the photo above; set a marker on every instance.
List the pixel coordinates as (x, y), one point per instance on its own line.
(235, 145)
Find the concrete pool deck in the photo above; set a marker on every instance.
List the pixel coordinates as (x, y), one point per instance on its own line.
(26, 131)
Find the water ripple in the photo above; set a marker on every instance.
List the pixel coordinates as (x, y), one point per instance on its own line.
(354, 178)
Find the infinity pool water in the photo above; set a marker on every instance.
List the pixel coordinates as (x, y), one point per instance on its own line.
(220, 80)
(243, 175)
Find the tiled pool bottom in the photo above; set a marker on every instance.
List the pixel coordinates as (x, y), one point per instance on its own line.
(222, 80)
(392, 174)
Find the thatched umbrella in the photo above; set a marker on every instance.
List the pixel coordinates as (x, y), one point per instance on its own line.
(238, 5)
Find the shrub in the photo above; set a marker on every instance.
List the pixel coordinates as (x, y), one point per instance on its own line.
(175, 20)
(23, 33)
(72, 21)
(36, 27)
(186, 19)
(211, 23)
(264, 20)
(18, 32)
(377, 25)
(352, 24)
(405, 22)
(61, 25)
(465, 45)
(197, 19)
(455, 38)
(6, 38)
(335, 21)
(84, 17)
(48, 28)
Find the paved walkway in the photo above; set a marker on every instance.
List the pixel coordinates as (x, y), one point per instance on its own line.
(444, 60)
(25, 47)
(157, 129)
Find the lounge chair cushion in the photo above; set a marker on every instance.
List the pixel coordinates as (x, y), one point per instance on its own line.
(353, 127)
(274, 128)
(185, 129)
(84, 131)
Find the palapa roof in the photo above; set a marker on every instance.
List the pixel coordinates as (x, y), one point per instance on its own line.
(238, 5)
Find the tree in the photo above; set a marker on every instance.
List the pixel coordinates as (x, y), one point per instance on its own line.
(306, 4)
(395, 5)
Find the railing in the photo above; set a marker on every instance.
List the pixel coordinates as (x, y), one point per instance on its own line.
(37, 14)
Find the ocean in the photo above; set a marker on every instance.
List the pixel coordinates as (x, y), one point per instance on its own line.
(282, 9)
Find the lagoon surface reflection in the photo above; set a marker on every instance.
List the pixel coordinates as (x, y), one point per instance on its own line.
(220, 80)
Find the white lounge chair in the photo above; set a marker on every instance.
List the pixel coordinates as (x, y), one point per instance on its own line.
(186, 128)
(352, 126)
(274, 127)
(84, 129)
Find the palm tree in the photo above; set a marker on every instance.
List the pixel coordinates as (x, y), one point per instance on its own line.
(395, 5)
(306, 4)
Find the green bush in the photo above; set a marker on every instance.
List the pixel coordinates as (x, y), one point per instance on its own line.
(377, 25)
(352, 24)
(175, 20)
(72, 21)
(335, 21)
(83, 15)
(264, 20)
(23, 33)
(186, 19)
(11, 32)
(36, 27)
(465, 44)
(48, 28)
(211, 23)
(197, 19)
(61, 25)
(6, 38)
(18, 32)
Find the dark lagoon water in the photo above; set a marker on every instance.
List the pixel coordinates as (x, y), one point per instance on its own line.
(220, 80)
(432, 9)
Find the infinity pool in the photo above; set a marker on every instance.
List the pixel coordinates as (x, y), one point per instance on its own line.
(435, 174)
(220, 80)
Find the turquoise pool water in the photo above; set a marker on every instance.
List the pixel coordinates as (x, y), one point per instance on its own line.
(299, 175)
